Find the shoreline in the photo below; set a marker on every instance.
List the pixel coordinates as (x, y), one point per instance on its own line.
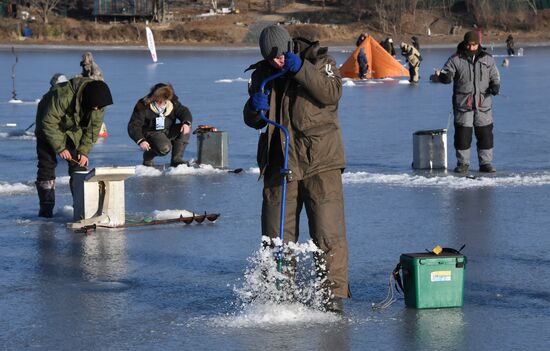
(187, 47)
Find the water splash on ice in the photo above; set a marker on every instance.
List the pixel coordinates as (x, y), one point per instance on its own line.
(297, 295)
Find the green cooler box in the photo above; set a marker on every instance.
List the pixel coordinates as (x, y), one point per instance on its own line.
(433, 281)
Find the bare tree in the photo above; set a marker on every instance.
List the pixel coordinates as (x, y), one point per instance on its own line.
(44, 7)
(532, 5)
(160, 9)
(358, 7)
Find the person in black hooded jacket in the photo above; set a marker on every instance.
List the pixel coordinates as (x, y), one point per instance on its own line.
(68, 120)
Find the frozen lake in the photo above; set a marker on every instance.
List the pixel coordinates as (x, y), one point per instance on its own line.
(172, 287)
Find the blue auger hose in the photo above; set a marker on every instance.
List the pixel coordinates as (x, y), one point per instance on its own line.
(284, 171)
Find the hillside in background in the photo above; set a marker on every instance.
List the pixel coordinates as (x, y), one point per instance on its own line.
(334, 23)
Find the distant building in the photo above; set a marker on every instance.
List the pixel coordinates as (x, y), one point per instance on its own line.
(124, 8)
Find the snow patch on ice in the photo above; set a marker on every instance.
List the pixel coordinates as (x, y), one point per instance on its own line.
(447, 181)
(66, 211)
(193, 170)
(254, 170)
(62, 180)
(348, 83)
(17, 135)
(404, 82)
(239, 79)
(15, 188)
(167, 214)
(143, 171)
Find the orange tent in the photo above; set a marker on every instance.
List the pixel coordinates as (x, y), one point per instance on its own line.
(381, 64)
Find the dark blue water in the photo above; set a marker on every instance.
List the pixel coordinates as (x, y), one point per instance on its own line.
(171, 287)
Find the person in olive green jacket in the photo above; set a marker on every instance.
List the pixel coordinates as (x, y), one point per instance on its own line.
(305, 101)
(68, 120)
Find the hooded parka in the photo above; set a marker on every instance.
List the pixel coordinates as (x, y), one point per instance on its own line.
(60, 116)
(64, 124)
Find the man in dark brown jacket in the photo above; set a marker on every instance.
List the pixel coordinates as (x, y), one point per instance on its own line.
(305, 101)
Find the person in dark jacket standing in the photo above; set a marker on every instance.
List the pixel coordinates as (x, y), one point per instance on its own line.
(305, 101)
(160, 124)
(363, 64)
(387, 44)
(68, 120)
(475, 80)
(510, 45)
(360, 39)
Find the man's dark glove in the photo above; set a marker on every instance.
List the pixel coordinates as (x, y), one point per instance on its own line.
(494, 89)
(259, 101)
(293, 62)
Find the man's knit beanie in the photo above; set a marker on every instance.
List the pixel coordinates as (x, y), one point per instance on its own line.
(96, 94)
(274, 41)
(471, 37)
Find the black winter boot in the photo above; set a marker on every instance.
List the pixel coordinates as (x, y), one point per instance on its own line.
(148, 157)
(487, 168)
(461, 168)
(177, 153)
(46, 196)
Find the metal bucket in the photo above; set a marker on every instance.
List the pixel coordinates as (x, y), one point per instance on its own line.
(430, 149)
(212, 149)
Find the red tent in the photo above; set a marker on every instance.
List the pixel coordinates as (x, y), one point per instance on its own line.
(381, 63)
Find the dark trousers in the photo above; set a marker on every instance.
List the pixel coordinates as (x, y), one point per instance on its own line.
(47, 159)
(323, 199)
(161, 142)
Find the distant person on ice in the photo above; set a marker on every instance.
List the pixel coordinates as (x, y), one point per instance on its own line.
(387, 44)
(68, 119)
(476, 80)
(413, 59)
(90, 68)
(360, 39)
(160, 124)
(363, 64)
(305, 101)
(510, 45)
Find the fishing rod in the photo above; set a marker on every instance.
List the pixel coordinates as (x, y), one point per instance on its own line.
(29, 127)
(13, 93)
(285, 172)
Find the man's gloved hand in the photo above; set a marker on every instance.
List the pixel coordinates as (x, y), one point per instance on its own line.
(259, 101)
(494, 89)
(293, 62)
